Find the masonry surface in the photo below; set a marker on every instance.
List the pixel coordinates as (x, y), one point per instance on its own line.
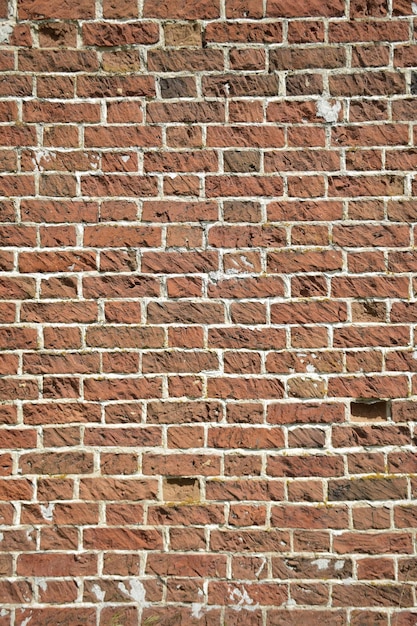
(207, 313)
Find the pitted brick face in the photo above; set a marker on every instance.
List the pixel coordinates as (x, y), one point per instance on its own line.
(207, 312)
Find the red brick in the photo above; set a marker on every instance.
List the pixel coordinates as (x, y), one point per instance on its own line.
(305, 261)
(201, 9)
(57, 35)
(369, 287)
(61, 112)
(392, 30)
(179, 361)
(120, 286)
(246, 338)
(371, 517)
(121, 539)
(370, 55)
(105, 34)
(351, 186)
(178, 263)
(59, 211)
(304, 567)
(180, 465)
(241, 86)
(291, 413)
(251, 438)
(244, 388)
(379, 595)
(307, 58)
(244, 32)
(241, 287)
(304, 84)
(373, 488)
(115, 86)
(296, 466)
(284, 8)
(366, 84)
(226, 540)
(120, 388)
(262, 593)
(58, 61)
(247, 136)
(243, 8)
(54, 565)
(39, 9)
(305, 32)
(185, 60)
(368, 387)
(374, 8)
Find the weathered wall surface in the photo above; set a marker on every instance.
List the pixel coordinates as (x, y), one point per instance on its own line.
(207, 313)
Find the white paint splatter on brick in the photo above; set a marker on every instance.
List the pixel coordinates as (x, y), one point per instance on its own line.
(6, 30)
(242, 600)
(137, 592)
(45, 154)
(94, 160)
(197, 610)
(246, 262)
(258, 571)
(329, 112)
(98, 592)
(414, 7)
(40, 155)
(321, 564)
(47, 512)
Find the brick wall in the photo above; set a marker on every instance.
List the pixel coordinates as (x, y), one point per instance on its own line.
(207, 313)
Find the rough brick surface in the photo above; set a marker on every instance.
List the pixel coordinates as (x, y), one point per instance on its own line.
(208, 369)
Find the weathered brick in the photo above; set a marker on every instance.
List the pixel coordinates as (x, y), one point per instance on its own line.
(104, 34)
(243, 32)
(206, 60)
(38, 10)
(284, 8)
(201, 9)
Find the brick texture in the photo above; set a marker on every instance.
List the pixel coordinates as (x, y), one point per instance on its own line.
(208, 369)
